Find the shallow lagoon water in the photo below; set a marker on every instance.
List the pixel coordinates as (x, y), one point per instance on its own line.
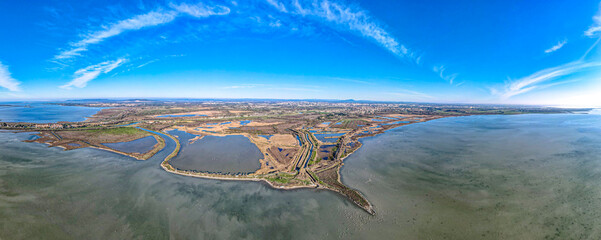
(481, 177)
(141, 145)
(232, 154)
(45, 113)
(328, 137)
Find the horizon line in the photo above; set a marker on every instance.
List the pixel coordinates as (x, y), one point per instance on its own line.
(284, 99)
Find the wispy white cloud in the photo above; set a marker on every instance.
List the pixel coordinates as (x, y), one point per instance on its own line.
(440, 70)
(200, 9)
(595, 28)
(548, 77)
(542, 79)
(557, 46)
(351, 18)
(153, 18)
(150, 19)
(280, 6)
(7, 81)
(84, 75)
(275, 24)
(146, 63)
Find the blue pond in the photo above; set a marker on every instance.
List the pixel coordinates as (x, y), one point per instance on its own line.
(33, 137)
(322, 137)
(231, 154)
(266, 136)
(45, 113)
(141, 145)
(245, 122)
(326, 123)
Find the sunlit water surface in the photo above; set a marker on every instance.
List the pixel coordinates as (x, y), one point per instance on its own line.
(44, 113)
(479, 177)
(229, 154)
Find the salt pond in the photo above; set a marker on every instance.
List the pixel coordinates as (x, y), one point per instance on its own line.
(328, 137)
(141, 145)
(233, 154)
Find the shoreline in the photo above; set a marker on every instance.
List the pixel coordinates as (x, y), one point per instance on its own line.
(252, 179)
(333, 183)
(165, 165)
(157, 147)
(337, 185)
(169, 168)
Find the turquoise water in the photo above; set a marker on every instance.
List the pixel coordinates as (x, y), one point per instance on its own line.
(44, 113)
(480, 177)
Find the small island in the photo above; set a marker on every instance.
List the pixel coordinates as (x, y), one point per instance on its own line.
(303, 143)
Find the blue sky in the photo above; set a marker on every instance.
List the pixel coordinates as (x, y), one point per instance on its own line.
(524, 52)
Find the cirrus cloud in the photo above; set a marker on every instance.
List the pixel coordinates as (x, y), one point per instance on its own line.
(557, 46)
(7, 81)
(352, 18)
(543, 78)
(150, 19)
(84, 75)
(595, 28)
